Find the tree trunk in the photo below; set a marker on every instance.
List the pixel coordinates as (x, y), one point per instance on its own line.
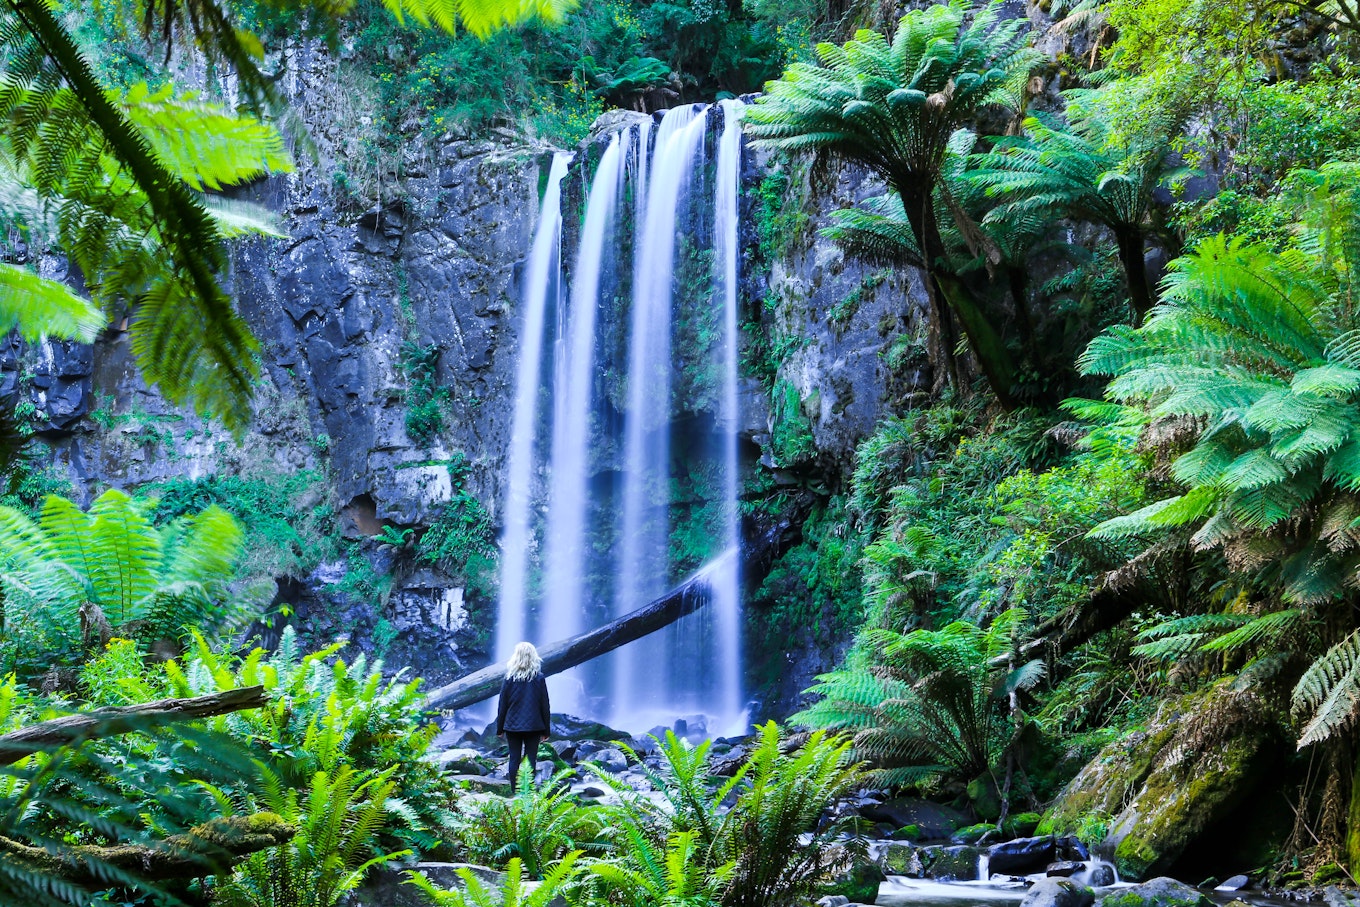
(1019, 287)
(761, 547)
(111, 722)
(1130, 244)
(949, 295)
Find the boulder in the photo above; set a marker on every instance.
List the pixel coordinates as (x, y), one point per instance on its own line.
(952, 864)
(481, 783)
(972, 833)
(573, 728)
(462, 761)
(729, 763)
(985, 797)
(386, 886)
(611, 759)
(934, 821)
(1160, 892)
(1022, 856)
(565, 749)
(900, 859)
(1058, 893)
(1021, 825)
(1064, 869)
(1197, 760)
(1100, 875)
(858, 883)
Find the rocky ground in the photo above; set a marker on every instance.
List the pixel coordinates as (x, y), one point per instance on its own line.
(914, 845)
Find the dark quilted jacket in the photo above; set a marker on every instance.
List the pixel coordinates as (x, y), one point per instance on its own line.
(524, 706)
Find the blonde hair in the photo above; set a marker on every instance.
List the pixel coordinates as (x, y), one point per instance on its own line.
(524, 664)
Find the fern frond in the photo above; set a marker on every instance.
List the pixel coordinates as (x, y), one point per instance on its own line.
(1328, 693)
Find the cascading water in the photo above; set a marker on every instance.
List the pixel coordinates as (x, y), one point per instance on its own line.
(542, 281)
(727, 598)
(574, 376)
(644, 673)
(616, 395)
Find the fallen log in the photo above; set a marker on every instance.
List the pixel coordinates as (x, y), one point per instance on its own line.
(112, 721)
(686, 598)
(208, 849)
(762, 546)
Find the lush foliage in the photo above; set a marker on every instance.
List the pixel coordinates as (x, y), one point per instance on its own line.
(935, 702)
(554, 79)
(757, 837)
(71, 578)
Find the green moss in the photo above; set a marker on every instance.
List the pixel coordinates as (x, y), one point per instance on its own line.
(783, 224)
(791, 434)
(1021, 825)
(859, 884)
(973, 833)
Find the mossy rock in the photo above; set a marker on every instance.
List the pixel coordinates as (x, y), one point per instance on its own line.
(1160, 892)
(986, 799)
(952, 864)
(973, 833)
(907, 833)
(1162, 787)
(859, 883)
(1021, 825)
(901, 859)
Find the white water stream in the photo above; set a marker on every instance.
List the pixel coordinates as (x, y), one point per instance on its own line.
(542, 280)
(574, 378)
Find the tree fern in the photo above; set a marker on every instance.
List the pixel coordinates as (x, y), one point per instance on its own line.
(893, 107)
(1050, 172)
(1254, 345)
(39, 307)
(934, 702)
(113, 559)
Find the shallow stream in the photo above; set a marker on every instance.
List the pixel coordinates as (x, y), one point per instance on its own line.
(900, 891)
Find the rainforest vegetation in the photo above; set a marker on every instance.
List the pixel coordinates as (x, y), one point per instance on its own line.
(1113, 536)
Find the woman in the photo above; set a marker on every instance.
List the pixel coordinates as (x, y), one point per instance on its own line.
(524, 716)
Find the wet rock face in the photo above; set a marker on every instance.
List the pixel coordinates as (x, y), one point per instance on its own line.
(855, 359)
(346, 309)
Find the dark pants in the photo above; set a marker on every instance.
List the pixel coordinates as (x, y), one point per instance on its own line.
(523, 745)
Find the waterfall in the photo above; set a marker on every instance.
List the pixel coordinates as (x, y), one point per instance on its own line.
(635, 345)
(542, 280)
(727, 598)
(564, 613)
(641, 680)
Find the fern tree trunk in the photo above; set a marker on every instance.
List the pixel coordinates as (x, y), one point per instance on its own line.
(1130, 244)
(949, 296)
